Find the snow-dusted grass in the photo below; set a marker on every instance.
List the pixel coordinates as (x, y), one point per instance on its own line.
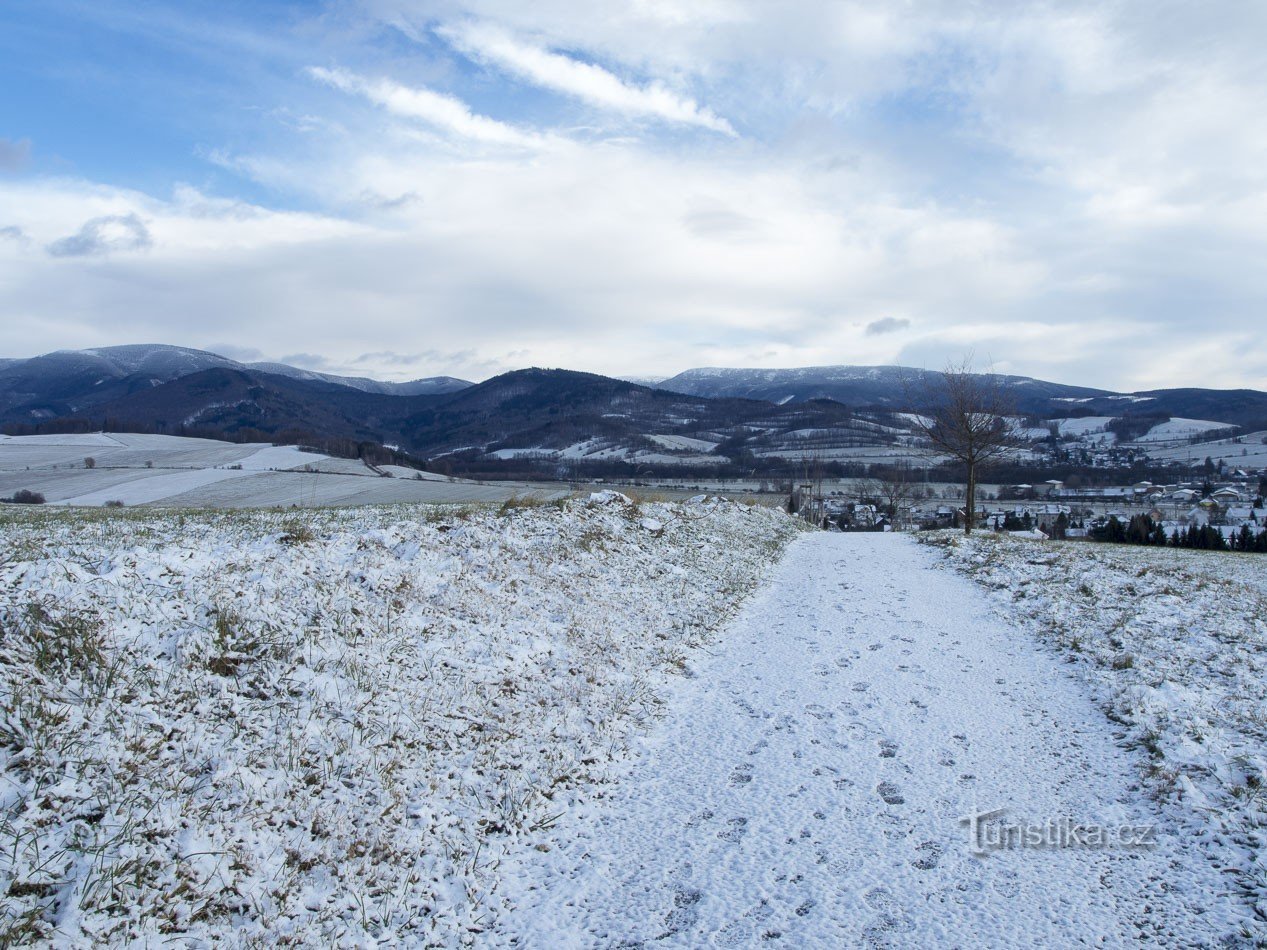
(1175, 645)
(329, 727)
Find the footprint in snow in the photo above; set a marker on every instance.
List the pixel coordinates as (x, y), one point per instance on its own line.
(742, 932)
(875, 646)
(888, 930)
(843, 662)
(684, 913)
(861, 687)
(881, 899)
(742, 774)
(735, 830)
(819, 712)
(737, 933)
(1007, 888)
(930, 853)
(890, 793)
(888, 749)
(841, 866)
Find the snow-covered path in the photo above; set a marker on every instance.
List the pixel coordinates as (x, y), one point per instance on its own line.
(807, 783)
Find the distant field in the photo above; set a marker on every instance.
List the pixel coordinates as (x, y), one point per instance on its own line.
(1248, 452)
(172, 471)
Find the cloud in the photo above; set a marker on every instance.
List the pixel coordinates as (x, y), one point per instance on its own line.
(441, 111)
(390, 357)
(588, 82)
(233, 351)
(719, 223)
(13, 233)
(14, 155)
(313, 361)
(1017, 181)
(104, 235)
(887, 325)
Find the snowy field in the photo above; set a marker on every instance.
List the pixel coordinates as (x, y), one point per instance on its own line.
(173, 471)
(1250, 452)
(1178, 430)
(1174, 646)
(330, 728)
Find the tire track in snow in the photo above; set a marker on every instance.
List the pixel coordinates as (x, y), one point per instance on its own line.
(806, 787)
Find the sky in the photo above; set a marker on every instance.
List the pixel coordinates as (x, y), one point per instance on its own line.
(401, 188)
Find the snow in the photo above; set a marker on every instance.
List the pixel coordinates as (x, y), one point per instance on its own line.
(1177, 429)
(1173, 643)
(683, 443)
(807, 785)
(179, 471)
(148, 488)
(403, 471)
(329, 728)
(86, 440)
(566, 725)
(279, 458)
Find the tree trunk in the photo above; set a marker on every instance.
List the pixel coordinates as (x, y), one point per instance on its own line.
(970, 503)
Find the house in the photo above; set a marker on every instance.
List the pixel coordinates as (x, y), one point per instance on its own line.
(1185, 494)
(1224, 495)
(1052, 486)
(1195, 517)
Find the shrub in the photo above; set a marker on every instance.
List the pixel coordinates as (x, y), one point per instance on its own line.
(26, 497)
(115, 503)
(296, 532)
(90, 462)
(515, 502)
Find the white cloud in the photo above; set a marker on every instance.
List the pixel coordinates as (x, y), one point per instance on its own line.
(444, 112)
(586, 81)
(104, 235)
(1076, 191)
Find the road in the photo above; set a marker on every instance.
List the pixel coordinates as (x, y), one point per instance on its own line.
(807, 784)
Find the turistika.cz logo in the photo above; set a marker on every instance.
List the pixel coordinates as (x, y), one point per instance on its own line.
(987, 834)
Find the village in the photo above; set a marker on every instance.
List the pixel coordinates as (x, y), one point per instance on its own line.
(1049, 509)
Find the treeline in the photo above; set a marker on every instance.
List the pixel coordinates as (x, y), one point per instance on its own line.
(1143, 530)
(1130, 427)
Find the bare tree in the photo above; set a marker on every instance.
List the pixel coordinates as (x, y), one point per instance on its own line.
(969, 417)
(894, 488)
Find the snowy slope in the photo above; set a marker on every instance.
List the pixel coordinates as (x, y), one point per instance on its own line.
(1179, 429)
(253, 729)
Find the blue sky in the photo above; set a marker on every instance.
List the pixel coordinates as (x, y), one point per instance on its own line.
(401, 188)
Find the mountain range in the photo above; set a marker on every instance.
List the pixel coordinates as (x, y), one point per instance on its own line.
(536, 417)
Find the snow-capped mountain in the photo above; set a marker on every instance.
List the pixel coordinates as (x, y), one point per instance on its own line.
(889, 386)
(71, 381)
